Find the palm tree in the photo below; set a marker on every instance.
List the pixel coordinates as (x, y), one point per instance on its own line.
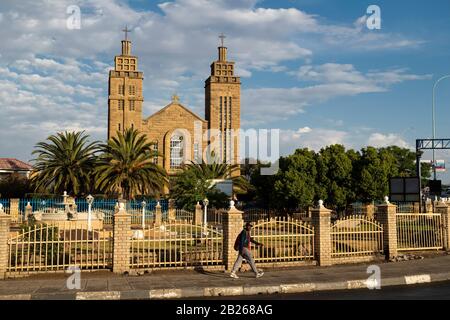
(64, 163)
(126, 166)
(216, 171)
(195, 182)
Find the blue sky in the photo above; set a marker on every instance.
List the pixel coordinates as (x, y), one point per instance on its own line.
(309, 67)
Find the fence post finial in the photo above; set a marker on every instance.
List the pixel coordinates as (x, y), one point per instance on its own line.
(231, 204)
(1, 207)
(386, 200)
(320, 203)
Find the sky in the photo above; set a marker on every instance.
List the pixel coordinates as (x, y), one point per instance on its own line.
(311, 68)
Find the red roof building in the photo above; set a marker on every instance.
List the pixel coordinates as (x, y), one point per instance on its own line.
(8, 166)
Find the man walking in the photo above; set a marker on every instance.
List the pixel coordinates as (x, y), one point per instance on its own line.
(242, 244)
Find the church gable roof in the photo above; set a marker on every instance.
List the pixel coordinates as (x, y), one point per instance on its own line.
(176, 104)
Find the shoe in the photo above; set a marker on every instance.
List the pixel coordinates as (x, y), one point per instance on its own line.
(259, 274)
(234, 275)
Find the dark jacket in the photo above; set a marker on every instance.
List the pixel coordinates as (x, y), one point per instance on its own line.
(245, 240)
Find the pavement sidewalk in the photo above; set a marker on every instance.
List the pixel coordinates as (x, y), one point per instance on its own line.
(198, 284)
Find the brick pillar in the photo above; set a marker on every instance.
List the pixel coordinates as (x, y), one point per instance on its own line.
(321, 220)
(387, 217)
(122, 240)
(5, 220)
(232, 225)
(28, 211)
(158, 215)
(198, 214)
(369, 210)
(429, 206)
(444, 210)
(14, 210)
(172, 210)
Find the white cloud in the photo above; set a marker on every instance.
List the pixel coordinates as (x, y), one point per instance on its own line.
(51, 77)
(347, 73)
(266, 105)
(352, 138)
(385, 140)
(311, 138)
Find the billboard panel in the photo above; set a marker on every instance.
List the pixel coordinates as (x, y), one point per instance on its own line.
(439, 165)
(403, 189)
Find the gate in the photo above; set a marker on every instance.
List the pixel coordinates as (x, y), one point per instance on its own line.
(41, 248)
(285, 240)
(419, 231)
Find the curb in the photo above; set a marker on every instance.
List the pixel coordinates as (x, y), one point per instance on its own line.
(242, 290)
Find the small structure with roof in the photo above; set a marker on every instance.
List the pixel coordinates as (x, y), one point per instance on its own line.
(10, 166)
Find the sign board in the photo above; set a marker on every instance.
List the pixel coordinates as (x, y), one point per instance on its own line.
(225, 186)
(435, 187)
(439, 165)
(403, 189)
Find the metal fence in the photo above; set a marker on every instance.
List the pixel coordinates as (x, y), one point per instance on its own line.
(284, 239)
(176, 244)
(256, 214)
(5, 204)
(184, 215)
(104, 206)
(57, 247)
(406, 207)
(214, 216)
(356, 236)
(419, 231)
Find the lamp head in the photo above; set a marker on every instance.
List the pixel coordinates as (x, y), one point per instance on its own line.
(90, 199)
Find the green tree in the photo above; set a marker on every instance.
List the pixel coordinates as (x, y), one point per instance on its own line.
(334, 176)
(195, 182)
(64, 163)
(295, 183)
(15, 186)
(406, 163)
(126, 166)
(376, 167)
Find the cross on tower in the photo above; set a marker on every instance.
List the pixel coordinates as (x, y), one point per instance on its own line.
(222, 38)
(126, 30)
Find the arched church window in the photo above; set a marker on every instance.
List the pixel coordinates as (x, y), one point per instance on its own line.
(176, 151)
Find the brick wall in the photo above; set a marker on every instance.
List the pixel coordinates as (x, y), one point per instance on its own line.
(232, 226)
(444, 210)
(387, 217)
(5, 220)
(321, 220)
(198, 214)
(122, 241)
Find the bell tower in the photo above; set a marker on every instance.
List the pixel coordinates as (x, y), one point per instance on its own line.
(125, 92)
(223, 107)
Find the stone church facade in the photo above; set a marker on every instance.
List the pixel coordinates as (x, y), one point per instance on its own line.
(179, 135)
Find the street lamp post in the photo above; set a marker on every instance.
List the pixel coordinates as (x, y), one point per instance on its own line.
(143, 203)
(90, 201)
(205, 202)
(434, 118)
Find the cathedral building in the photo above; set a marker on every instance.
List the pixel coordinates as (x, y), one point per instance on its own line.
(179, 135)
